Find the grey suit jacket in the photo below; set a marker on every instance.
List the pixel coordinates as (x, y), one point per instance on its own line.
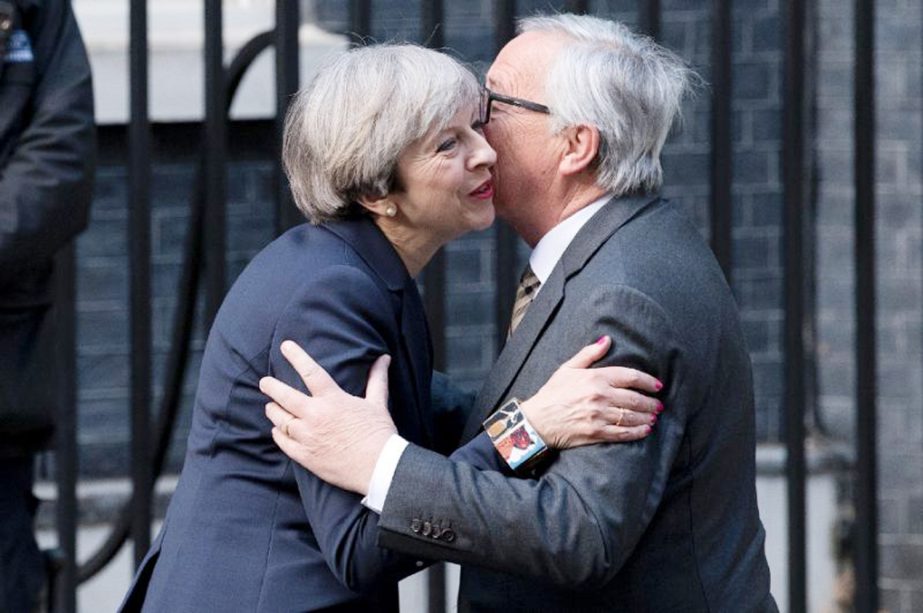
(669, 523)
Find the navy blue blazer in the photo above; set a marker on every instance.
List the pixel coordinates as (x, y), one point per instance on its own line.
(248, 529)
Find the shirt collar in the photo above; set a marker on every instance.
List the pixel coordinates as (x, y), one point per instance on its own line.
(552, 246)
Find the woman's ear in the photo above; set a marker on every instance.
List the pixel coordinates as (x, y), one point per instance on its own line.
(379, 205)
(581, 147)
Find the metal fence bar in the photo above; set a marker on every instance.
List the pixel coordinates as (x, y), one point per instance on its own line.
(722, 162)
(794, 190)
(504, 237)
(649, 18)
(139, 179)
(866, 360)
(432, 33)
(215, 158)
(64, 591)
(360, 20)
(288, 19)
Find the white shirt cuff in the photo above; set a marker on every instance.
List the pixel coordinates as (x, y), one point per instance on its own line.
(384, 473)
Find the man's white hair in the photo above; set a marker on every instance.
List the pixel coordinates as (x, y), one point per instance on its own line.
(626, 85)
(345, 132)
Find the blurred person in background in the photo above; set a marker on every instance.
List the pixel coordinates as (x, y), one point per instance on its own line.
(47, 159)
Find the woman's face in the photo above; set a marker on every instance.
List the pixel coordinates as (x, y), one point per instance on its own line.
(446, 180)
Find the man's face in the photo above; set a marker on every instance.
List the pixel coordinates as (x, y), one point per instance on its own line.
(526, 157)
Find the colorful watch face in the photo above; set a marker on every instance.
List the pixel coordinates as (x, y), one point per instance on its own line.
(513, 436)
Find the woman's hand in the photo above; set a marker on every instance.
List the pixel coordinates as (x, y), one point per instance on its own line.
(580, 405)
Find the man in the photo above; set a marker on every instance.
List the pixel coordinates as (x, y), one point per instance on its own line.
(47, 144)
(578, 110)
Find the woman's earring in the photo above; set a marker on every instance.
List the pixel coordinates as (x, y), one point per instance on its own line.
(391, 211)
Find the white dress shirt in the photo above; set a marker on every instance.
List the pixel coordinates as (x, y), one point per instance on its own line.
(542, 260)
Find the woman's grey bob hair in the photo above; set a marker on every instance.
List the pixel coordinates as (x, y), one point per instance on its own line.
(626, 85)
(345, 132)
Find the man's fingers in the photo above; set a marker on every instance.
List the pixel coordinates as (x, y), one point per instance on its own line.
(621, 376)
(590, 354)
(287, 444)
(277, 415)
(315, 378)
(376, 390)
(294, 401)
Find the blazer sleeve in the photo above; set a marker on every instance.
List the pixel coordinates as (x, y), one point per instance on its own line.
(577, 523)
(46, 185)
(450, 409)
(342, 318)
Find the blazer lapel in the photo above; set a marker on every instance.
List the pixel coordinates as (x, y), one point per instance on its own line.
(364, 237)
(374, 248)
(419, 350)
(591, 237)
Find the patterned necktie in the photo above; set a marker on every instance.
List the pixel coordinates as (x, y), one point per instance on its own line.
(528, 285)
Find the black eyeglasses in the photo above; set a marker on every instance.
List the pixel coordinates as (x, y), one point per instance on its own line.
(488, 97)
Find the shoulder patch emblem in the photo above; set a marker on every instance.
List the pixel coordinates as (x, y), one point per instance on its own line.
(19, 48)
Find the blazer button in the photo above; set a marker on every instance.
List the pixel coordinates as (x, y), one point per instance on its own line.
(427, 528)
(437, 531)
(415, 526)
(448, 535)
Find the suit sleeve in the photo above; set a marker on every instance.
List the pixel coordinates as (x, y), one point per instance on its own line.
(46, 185)
(342, 319)
(577, 523)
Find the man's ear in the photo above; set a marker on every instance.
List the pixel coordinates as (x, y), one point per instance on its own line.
(581, 147)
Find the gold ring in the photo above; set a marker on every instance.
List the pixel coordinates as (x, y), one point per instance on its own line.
(285, 426)
(621, 415)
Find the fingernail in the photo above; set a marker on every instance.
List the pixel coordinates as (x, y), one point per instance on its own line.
(601, 340)
(659, 409)
(648, 430)
(658, 385)
(653, 419)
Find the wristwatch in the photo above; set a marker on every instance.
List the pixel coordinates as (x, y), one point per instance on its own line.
(515, 439)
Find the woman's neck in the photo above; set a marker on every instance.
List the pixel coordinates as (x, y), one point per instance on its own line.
(414, 248)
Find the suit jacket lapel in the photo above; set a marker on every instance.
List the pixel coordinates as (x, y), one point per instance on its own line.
(591, 237)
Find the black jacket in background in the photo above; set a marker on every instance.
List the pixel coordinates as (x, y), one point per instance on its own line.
(47, 158)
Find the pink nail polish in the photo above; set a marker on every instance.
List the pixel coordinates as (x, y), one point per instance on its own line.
(601, 340)
(659, 408)
(658, 386)
(648, 430)
(653, 419)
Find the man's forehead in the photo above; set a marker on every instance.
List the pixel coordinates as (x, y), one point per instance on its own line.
(523, 61)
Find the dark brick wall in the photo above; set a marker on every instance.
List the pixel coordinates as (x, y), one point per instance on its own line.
(898, 227)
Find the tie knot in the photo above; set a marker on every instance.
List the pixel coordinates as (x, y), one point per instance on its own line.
(528, 284)
(528, 281)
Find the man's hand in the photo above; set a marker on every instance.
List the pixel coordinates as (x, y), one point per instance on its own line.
(336, 436)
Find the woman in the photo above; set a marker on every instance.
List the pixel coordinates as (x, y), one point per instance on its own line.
(386, 161)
